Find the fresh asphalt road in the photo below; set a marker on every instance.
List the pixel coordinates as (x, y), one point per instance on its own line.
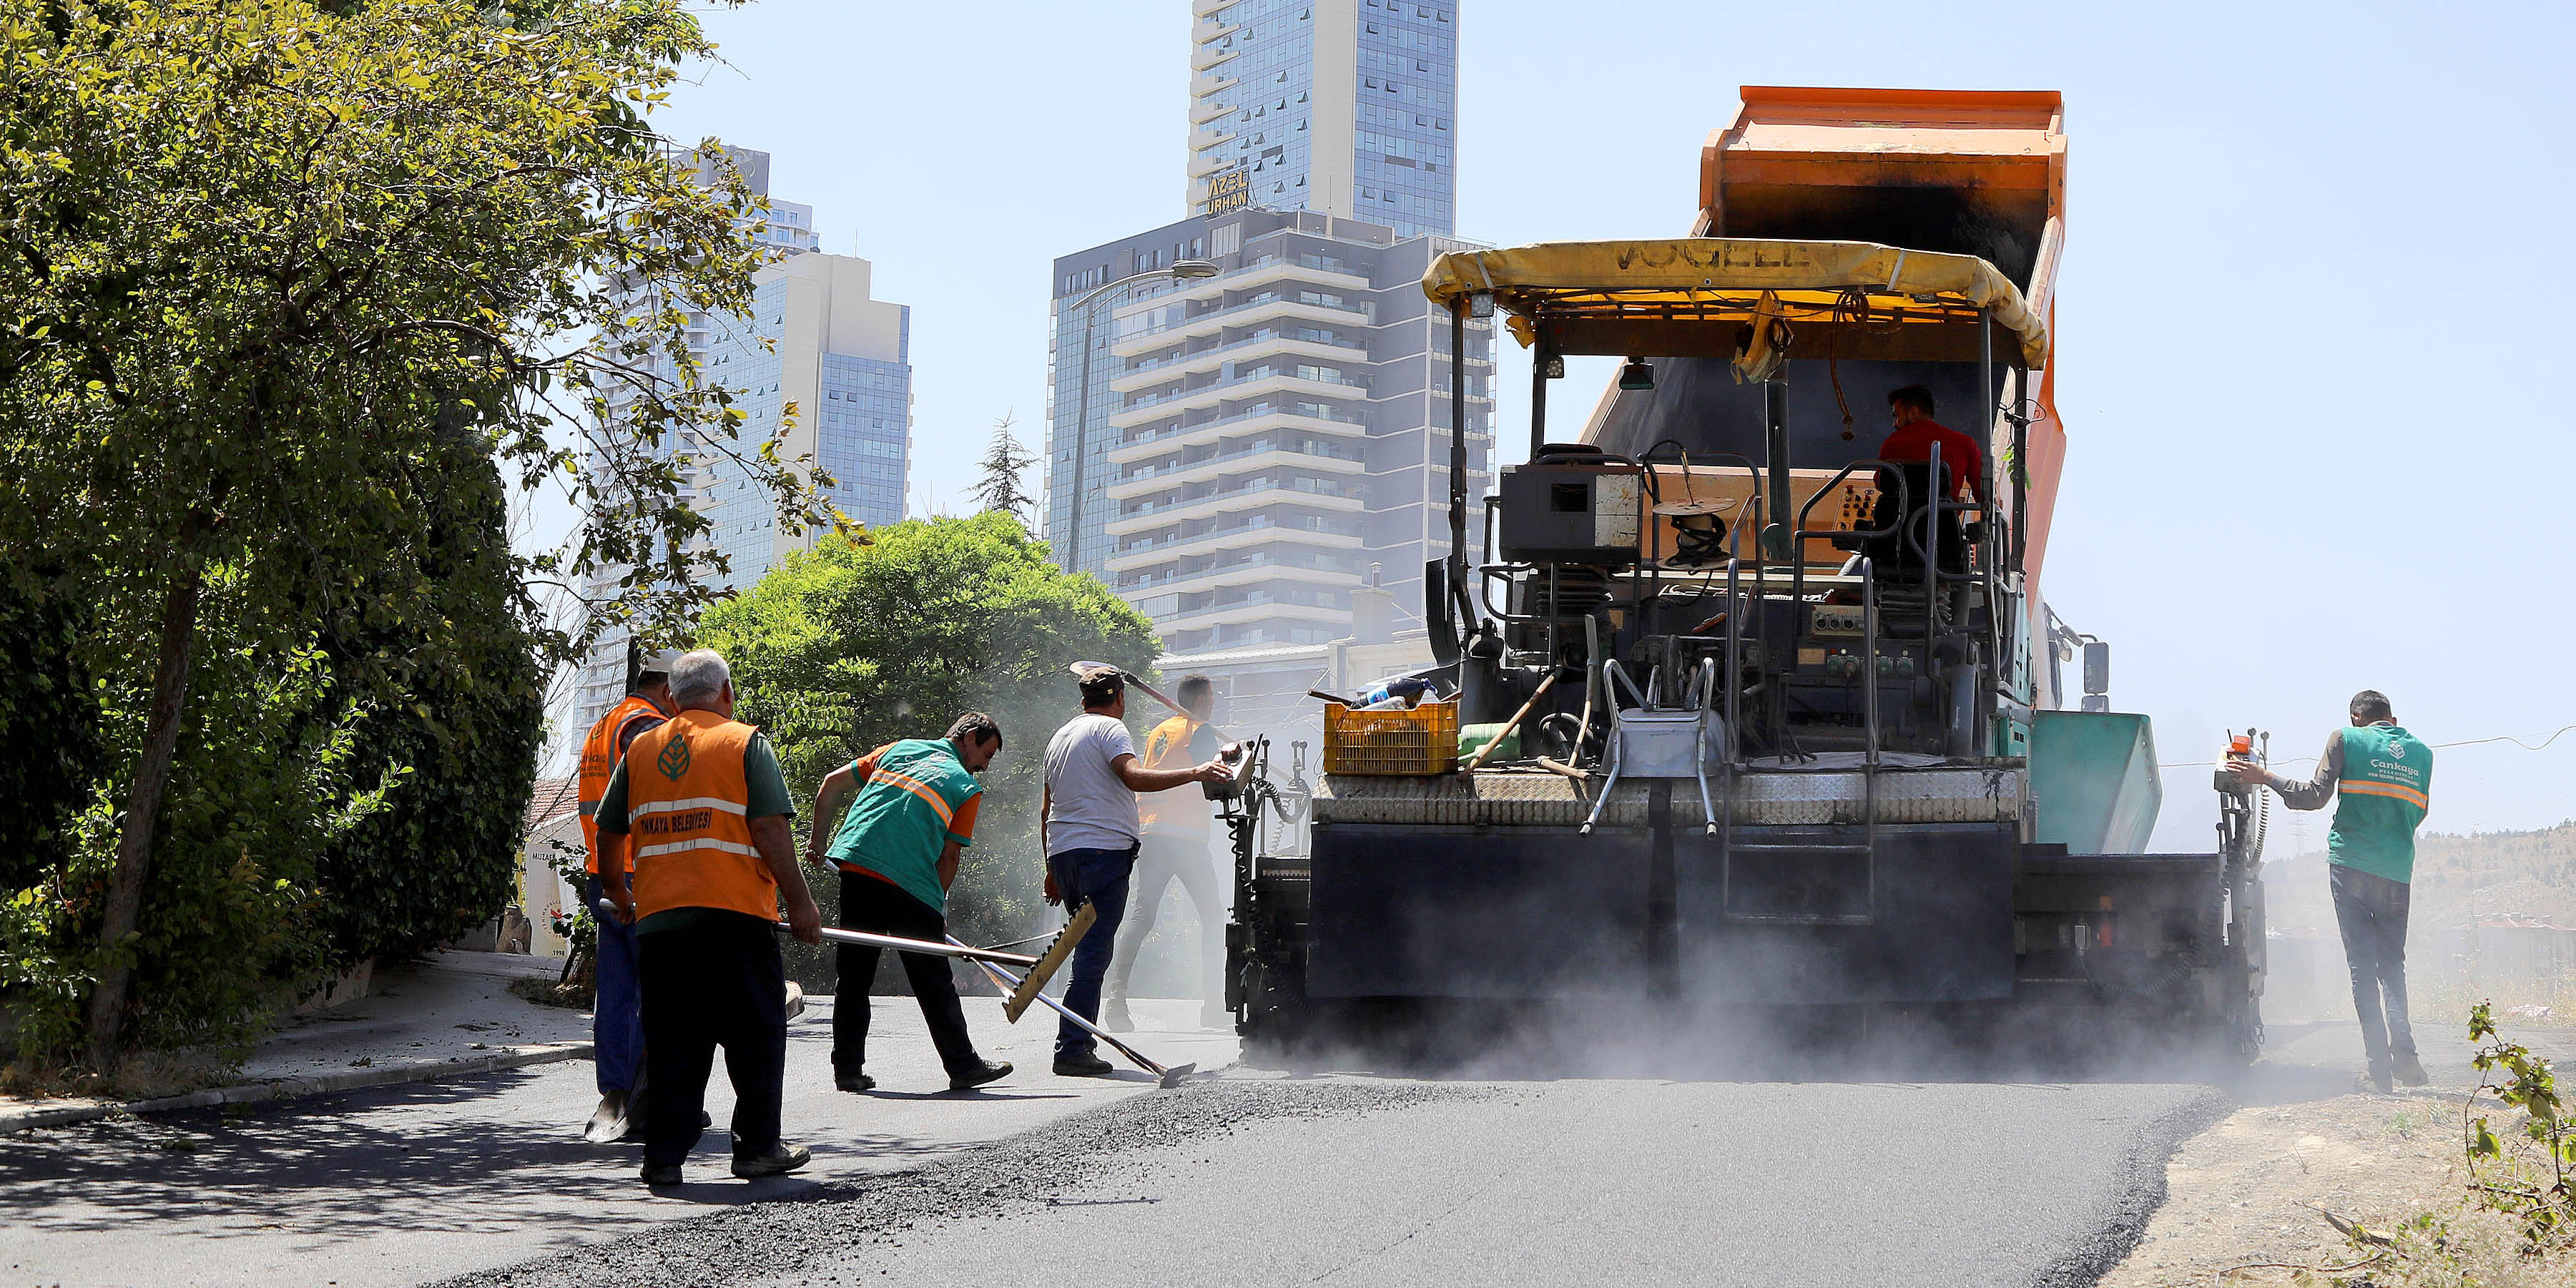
(410, 1184)
(1250, 1178)
(1276, 1181)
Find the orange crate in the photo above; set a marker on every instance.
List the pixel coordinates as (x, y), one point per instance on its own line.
(1415, 743)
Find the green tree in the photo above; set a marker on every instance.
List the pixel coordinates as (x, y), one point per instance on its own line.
(281, 279)
(854, 646)
(1004, 461)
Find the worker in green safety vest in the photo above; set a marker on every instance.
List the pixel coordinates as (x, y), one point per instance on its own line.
(2381, 779)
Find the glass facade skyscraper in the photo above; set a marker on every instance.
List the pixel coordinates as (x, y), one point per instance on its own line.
(814, 338)
(1347, 107)
(843, 358)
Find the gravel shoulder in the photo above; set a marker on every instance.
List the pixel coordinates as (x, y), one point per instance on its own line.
(2244, 1198)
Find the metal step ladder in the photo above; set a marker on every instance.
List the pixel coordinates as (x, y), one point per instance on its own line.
(1867, 848)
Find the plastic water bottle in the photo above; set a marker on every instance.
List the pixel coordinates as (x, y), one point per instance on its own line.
(1400, 693)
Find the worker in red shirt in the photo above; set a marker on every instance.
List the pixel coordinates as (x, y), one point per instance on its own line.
(1911, 443)
(1910, 408)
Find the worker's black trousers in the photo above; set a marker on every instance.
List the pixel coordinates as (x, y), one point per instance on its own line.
(715, 982)
(2371, 912)
(882, 908)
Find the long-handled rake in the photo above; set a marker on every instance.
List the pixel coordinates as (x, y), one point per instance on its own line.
(1164, 1077)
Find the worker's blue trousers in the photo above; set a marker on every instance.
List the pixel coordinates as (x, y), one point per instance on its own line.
(617, 1011)
(1099, 876)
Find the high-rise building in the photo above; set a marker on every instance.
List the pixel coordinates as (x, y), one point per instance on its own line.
(844, 362)
(1237, 455)
(817, 340)
(1346, 107)
(1259, 460)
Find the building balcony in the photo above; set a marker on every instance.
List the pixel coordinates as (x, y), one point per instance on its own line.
(1203, 59)
(1207, 83)
(1209, 27)
(1272, 387)
(1139, 482)
(1204, 110)
(1316, 275)
(1259, 565)
(1276, 308)
(1155, 371)
(1250, 420)
(1254, 492)
(1333, 533)
(1209, 138)
(1251, 608)
(1206, 8)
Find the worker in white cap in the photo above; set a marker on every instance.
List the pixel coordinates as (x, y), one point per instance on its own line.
(617, 1018)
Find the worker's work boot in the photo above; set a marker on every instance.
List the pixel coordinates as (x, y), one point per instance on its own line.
(1087, 1065)
(990, 1071)
(780, 1160)
(2375, 1079)
(2410, 1070)
(1113, 1014)
(658, 1177)
(854, 1082)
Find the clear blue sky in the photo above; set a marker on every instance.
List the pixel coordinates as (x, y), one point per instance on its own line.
(2311, 340)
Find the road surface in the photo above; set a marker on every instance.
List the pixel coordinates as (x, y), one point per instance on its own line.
(1253, 1177)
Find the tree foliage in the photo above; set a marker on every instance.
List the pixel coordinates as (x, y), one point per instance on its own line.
(998, 483)
(851, 647)
(282, 282)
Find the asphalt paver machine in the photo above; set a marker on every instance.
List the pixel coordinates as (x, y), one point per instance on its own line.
(1798, 737)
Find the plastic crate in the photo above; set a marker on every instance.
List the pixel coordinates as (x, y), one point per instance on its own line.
(1416, 743)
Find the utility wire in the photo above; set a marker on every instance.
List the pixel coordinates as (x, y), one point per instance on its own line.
(2439, 746)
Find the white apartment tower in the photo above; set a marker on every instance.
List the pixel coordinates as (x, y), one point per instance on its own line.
(1246, 456)
(1238, 455)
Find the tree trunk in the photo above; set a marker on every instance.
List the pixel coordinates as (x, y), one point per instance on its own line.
(142, 811)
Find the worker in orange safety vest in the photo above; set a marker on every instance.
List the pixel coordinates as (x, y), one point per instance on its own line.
(617, 1019)
(704, 803)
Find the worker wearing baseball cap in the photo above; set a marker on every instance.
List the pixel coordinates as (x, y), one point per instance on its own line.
(617, 1019)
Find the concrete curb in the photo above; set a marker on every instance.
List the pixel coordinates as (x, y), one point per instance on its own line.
(61, 1113)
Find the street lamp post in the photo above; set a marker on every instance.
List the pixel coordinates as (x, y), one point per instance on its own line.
(1179, 271)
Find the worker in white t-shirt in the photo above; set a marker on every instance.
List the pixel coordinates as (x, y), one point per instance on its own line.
(1089, 831)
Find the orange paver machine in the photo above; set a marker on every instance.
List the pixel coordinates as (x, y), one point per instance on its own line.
(1792, 729)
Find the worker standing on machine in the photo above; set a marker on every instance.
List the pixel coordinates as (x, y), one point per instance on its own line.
(617, 1020)
(1175, 848)
(1089, 830)
(708, 808)
(898, 850)
(2381, 779)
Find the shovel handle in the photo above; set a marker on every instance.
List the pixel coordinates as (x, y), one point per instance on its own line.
(932, 948)
(1514, 723)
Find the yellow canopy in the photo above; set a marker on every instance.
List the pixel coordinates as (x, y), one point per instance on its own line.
(1687, 297)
